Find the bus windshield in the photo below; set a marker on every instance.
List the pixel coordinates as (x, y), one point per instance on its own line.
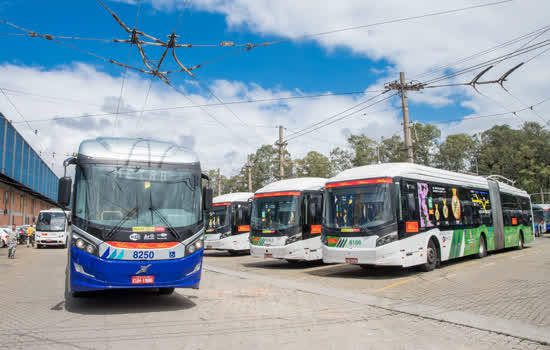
(50, 222)
(137, 198)
(541, 215)
(275, 213)
(217, 217)
(361, 207)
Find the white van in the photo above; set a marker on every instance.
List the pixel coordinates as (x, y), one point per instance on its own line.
(52, 228)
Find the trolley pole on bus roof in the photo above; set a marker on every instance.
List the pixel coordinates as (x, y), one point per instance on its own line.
(249, 167)
(402, 87)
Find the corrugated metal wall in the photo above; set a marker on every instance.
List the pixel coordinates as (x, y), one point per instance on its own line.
(21, 163)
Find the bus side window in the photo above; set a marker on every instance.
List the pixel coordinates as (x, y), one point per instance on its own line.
(526, 211)
(467, 207)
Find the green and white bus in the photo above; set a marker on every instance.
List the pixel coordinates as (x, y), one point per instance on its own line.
(402, 214)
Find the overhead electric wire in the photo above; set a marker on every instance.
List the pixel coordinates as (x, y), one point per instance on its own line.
(43, 148)
(126, 69)
(338, 114)
(305, 36)
(112, 114)
(536, 33)
(340, 118)
(490, 62)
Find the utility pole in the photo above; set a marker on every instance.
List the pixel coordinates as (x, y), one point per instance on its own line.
(402, 87)
(249, 166)
(281, 146)
(219, 183)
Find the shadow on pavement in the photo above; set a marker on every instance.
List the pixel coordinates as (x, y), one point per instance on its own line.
(281, 264)
(126, 302)
(224, 254)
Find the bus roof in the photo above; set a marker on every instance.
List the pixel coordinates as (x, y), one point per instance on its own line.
(541, 206)
(420, 172)
(298, 184)
(136, 150)
(234, 197)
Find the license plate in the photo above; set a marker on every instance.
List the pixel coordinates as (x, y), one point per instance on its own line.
(352, 260)
(143, 279)
(208, 247)
(268, 255)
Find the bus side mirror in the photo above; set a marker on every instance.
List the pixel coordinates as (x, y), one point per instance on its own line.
(64, 191)
(207, 195)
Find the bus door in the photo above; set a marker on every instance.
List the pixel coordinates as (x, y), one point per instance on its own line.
(496, 207)
(312, 215)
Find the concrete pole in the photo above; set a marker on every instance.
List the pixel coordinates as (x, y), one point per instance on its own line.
(219, 183)
(406, 125)
(249, 166)
(281, 153)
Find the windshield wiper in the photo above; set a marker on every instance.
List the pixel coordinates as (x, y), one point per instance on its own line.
(171, 228)
(117, 227)
(162, 218)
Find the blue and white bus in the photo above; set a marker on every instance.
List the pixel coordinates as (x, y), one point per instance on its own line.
(137, 216)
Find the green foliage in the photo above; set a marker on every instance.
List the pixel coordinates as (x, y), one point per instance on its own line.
(364, 150)
(340, 160)
(458, 152)
(314, 164)
(424, 140)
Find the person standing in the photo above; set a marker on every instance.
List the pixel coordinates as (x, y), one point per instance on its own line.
(12, 244)
(30, 236)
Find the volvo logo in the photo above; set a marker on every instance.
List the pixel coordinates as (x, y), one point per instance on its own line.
(135, 236)
(143, 269)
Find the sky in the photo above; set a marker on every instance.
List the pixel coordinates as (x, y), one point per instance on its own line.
(57, 95)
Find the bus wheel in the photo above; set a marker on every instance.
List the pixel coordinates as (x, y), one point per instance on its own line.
(166, 291)
(520, 244)
(432, 257)
(482, 247)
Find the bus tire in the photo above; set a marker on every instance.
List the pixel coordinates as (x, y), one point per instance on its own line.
(166, 291)
(520, 244)
(482, 247)
(432, 257)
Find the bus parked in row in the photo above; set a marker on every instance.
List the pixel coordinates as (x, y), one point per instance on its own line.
(286, 220)
(403, 214)
(541, 215)
(137, 216)
(228, 223)
(52, 228)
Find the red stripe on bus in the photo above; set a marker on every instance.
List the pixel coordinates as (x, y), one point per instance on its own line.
(133, 245)
(360, 182)
(276, 194)
(220, 204)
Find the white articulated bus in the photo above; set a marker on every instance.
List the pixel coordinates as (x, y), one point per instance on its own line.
(403, 214)
(228, 223)
(286, 220)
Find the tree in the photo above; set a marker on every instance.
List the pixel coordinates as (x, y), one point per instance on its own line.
(424, 140)
(392, 150)
(314, 164)
(340, 160)
(364, 150)
(457, 152)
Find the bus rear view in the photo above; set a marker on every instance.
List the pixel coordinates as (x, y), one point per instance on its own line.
(137, 216)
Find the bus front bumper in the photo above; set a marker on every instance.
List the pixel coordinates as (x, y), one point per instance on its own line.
(386, 255)
(99, 274)
(308, 249)
(235, 242)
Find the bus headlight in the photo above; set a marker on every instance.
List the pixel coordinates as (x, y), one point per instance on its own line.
(386, 239)
(83, 244)
(194, 246)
